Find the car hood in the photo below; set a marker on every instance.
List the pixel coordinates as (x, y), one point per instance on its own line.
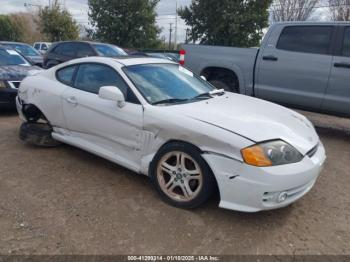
(252, 118)
(17, 72)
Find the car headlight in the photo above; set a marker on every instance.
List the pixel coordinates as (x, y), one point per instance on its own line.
(273, 153)
(2, 85)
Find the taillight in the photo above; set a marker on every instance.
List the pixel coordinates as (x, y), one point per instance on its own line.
(182, 57)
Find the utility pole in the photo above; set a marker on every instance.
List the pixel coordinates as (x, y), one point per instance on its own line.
(164, 42)
(175, 38)
(187, 35)
(170, 32)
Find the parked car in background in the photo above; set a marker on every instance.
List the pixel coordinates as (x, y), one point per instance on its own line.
(133, 52)
(42, 47)
(31, 54)
(299, 64)
(159, 119)
(64, 51)
(13, 68)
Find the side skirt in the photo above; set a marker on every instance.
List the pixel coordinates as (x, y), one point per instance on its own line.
(96, 150)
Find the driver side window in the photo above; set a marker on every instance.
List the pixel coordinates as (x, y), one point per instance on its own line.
(91, 77)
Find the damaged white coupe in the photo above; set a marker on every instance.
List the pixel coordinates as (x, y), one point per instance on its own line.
(159, 119)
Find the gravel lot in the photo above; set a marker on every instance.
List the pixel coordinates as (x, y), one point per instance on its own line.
(66, 201)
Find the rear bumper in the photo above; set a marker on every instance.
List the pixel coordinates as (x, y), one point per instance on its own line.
(252, 189)
(8, 98)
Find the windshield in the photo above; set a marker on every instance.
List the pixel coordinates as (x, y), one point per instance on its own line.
(25, 50)
(11, 57)
(109, 50)
(161, 82)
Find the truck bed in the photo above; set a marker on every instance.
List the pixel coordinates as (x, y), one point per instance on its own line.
(240, 60)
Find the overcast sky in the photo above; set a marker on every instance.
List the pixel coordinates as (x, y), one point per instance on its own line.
(79, 8)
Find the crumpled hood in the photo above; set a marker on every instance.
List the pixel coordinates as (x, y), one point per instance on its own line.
(16, 72)
(254, 119)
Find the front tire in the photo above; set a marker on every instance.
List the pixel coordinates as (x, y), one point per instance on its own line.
(181, 176)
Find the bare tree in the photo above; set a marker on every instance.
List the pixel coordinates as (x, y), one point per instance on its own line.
(340, 10)
(292, 10)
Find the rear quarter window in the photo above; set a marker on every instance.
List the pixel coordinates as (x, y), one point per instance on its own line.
(65, 49)
(65, 75)
(306, 39)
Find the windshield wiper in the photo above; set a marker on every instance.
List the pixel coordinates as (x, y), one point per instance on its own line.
(170, 101)
(209, 94)
(179, 100)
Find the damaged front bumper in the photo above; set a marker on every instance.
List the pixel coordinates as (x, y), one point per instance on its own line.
(251, 189)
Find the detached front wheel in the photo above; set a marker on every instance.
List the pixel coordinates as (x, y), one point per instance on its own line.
(181, 176)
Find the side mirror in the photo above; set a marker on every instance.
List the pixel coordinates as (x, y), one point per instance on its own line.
(112, 93)
(204, 78)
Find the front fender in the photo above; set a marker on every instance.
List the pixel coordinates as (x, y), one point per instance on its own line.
(161, 127)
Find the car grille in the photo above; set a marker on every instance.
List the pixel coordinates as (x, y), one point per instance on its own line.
(14, 84)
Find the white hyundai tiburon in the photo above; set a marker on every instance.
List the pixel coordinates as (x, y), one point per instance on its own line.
(159, 119)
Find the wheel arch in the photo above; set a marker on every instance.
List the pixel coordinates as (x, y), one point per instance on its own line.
(200, 151)
(217, 72)
(33, 113)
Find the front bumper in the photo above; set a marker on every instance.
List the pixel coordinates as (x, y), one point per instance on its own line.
(8, 98)
(252, 189)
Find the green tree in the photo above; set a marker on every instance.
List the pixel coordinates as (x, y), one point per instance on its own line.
(227, 22)
(57, 23)
(10, 30)
(128, 23)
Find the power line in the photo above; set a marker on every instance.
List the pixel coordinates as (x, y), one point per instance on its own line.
(174, 14)
(301, 8)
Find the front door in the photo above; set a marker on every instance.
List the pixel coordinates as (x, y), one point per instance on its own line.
(100, 123)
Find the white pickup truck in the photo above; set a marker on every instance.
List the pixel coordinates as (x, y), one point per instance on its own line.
(299, 64)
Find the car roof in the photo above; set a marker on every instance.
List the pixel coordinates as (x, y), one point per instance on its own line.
(130, 60)
(6, 47)
(79, 41)
(12, 43)
(122, 61)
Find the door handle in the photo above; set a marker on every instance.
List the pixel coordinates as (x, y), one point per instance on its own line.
(343, 65)
(270, 58)
(72, 100)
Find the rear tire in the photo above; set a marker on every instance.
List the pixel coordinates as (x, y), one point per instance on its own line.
(37, 134)
(181, 176)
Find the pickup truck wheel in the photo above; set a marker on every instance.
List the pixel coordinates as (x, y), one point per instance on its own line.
(37, 134)
(181, 176)
(222, 85)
